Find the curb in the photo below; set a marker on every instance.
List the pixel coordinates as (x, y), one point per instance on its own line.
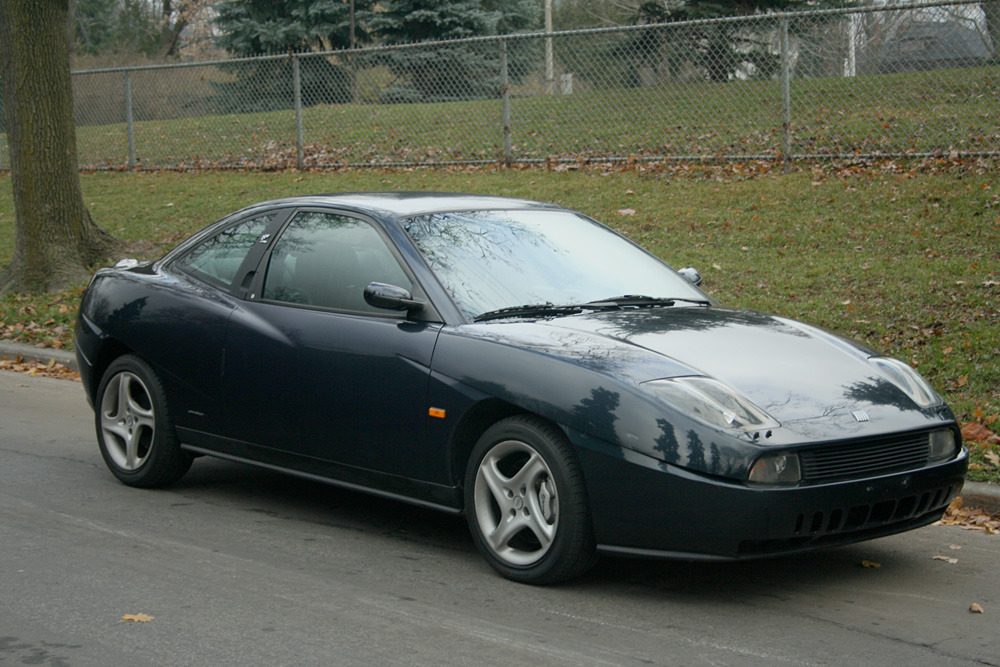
(42, 355)
(982, 495)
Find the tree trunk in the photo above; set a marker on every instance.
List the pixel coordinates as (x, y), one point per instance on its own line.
(992, 12)
(55, 239)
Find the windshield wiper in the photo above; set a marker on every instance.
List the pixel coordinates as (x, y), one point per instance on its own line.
(614, 303)
(641, 301)
(529, 310)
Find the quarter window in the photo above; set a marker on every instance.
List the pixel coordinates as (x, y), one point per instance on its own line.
(218, 259)
(326, 260)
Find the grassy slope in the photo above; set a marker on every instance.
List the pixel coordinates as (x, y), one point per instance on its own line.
(908, 263)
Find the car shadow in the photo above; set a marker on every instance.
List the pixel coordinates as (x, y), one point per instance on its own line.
(777, 576)
(259, 491)
(265, 492)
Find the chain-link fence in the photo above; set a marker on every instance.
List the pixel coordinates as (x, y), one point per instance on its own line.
(913, 80)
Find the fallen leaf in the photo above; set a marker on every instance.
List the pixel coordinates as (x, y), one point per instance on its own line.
(138, 618)
(976, 432)
(870, 564)
(993, 458)
(976, 609)
(626, 211)
(946, 559)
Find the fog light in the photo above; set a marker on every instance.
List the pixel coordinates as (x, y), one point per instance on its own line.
(942, 445)
(776, 469)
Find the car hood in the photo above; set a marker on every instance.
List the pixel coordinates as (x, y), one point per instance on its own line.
(810, 380)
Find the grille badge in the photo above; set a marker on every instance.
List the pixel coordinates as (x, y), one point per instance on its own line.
(859, 415)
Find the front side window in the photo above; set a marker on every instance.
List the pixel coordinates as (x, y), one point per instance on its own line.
(326, 260)
(218, 259)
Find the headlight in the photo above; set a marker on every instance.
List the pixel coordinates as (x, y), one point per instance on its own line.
(907, 379)
(712, 402)
(776, 469)
(942, 445)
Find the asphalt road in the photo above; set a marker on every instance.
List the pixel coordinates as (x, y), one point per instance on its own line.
(245, 567)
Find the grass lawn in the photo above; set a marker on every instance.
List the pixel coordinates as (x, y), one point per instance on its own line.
(912, 112)
(907, 262)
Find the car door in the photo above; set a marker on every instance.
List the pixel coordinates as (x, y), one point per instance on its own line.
(316, 375)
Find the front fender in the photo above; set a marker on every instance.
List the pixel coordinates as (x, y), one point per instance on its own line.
(175, 325)
(591, 392)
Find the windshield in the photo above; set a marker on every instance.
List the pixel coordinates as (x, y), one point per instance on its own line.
(488, 260)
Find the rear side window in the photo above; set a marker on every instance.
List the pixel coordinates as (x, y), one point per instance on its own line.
(217, 260)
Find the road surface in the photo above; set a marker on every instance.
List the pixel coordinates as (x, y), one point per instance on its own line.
(238, 566)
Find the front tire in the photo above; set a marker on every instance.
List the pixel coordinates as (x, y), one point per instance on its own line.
(526, 503)
(134, 429)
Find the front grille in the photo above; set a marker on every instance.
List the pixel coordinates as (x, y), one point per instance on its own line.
(864, 458)
(855, 523)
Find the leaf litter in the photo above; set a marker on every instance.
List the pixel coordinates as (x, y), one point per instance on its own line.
(970, 518)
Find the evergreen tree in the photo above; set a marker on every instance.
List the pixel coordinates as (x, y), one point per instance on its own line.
(715, 51)
(258, 27)
(722, 51)
(130, 27)
(456, 72)
(93, 25)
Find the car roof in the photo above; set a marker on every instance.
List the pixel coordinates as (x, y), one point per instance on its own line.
(398, 204)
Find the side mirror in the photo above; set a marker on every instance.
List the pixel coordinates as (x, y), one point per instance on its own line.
(390, 297)
(691, 274)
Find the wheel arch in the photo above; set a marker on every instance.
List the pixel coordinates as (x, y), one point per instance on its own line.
(475, 422)
(109, 350)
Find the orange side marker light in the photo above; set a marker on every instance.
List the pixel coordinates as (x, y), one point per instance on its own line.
(436, 412)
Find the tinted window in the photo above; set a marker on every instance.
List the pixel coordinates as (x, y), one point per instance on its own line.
(327, 260)
(219, 258)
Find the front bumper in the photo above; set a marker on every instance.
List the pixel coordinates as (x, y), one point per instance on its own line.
(643, 507)
(86, 339)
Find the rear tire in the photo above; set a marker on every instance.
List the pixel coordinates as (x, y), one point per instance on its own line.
(526, 503)
(134, 428)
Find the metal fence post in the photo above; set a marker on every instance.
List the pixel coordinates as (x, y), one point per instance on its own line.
(129, 125)
(297, 92)
(505, 96)
(550, 77)
(786, 99)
